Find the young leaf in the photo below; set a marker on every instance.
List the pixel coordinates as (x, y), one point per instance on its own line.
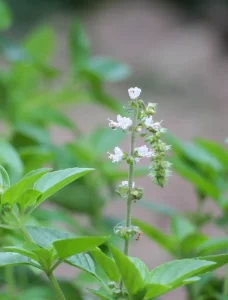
(220, 260)
(107, 264)
(12, 259)
(10, 159)
(107, 69)
(131, 275)
(15, 191)
(21, 251)
(140, 265)
(29, 197)
(173, 274)
(83, 262)
(40, 43)
(102, 294)
(69, 246)
(54, 181)
(4, 180)
(43, 236)
(79, 45)
(213, 245)
(165, 241)
(182, 227)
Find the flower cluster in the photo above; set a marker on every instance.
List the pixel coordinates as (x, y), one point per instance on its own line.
(151, 131)
(126, 232)
(144, 125)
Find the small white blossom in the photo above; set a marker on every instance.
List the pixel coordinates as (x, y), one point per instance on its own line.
(118, 156)
(143, 151)
(124, 123)
(156, 126)
(125, 184)
(134, 92)
(114, 125)
(148, 121)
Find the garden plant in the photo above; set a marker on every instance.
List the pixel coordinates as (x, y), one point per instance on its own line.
(80, 180)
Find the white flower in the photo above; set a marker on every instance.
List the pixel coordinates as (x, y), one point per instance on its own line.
(124, 123)
(114, 125)
(134, 92)
(118, 156)
(125, 184)
(143, 151)
(156, 126)
(148, 121)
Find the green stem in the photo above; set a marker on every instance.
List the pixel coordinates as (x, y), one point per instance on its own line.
(225, 286)
(50, 275)
(26, 235)
(130, 182)
(130, 177)
(56, 286)
(10, 281)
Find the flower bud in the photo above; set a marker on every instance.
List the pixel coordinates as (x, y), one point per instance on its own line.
(112, 284)
(151, 108)
(130, 160)
(137, 194)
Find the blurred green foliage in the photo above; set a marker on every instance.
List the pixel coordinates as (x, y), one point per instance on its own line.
(33, 95)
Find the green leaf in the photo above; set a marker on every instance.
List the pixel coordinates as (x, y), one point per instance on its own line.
(190, 174)
(4, 180)
(15, 191)
(131, 275)
(213, 245)
(107, 264)
(102, 294)
(182, 227)
(5, 16)
(40, 43)
(79, 45)
(158, 208)
(83, 262)
(12, 259)
(21, 251)
(54, 181)
(35, 133)
(214, 149)
(107, 69)
(43, 236)
(69, 246)
(10, 159)
(28, 198)
(165, 241)
(140, 265)
(191, 280)
(173, 274)
(189, 244)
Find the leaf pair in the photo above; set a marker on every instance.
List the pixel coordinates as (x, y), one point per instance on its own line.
(37, 185)
(50, 246)
(144, 285)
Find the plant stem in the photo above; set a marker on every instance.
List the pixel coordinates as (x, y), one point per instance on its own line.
(10, 281)
(26, 234)
(56, 286)
(225, 286)
(130, 177)
(50, 275)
